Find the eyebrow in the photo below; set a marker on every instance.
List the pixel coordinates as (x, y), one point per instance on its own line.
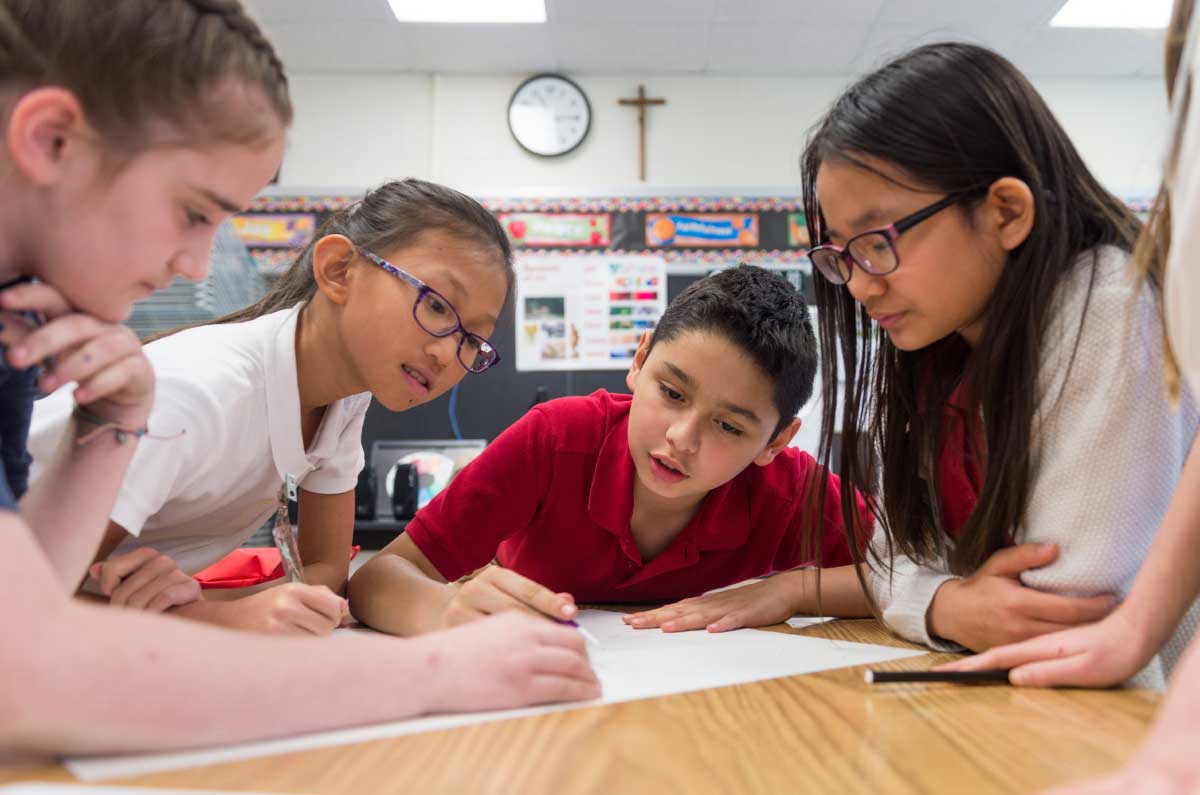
(859, 221)
(680, 374)
(225, 204)
(457, 285)
(724, 404)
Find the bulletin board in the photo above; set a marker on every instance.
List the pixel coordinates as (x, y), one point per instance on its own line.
(684, 237)
(692, 236)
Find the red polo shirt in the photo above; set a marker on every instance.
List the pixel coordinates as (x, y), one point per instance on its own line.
(552, 496)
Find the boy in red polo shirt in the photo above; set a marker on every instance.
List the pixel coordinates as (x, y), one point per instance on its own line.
(684, 486)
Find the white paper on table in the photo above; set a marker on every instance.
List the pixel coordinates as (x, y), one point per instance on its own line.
(45, 788)
(800, 622)
(632, 664)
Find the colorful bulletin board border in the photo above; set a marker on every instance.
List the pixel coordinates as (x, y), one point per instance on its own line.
(551, 230)
(274, 261)
(701, 229)
(701, 204)
(275, 230)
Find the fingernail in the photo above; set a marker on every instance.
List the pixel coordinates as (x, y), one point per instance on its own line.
(567, 609)
(18, 354)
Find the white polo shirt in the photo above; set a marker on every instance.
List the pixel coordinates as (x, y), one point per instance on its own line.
(232, 390)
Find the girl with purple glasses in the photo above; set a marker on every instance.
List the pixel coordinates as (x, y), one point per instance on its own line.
(1003, 401)
(393, 299)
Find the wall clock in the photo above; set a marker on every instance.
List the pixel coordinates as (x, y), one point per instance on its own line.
(549, 115)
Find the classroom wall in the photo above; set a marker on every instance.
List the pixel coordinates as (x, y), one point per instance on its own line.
(716, 135)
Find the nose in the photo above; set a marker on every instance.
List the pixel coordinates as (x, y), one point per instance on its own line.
(443, 351)
(683, 434)
(865, 286)
(192, 264)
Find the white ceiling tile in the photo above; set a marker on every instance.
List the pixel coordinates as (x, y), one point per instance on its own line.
(298, 10)
(680, 12)
(482, 48)
(967, 14)
(611, 48)
(343, 47)
(825, 15)
(782, 50)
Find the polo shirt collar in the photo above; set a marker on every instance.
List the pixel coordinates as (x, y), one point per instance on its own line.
(721, 523)
(283, 399)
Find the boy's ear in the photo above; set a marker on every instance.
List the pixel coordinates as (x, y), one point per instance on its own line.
(639, 359)
(777, 444)
(1010, 207)
(331, 259)
(44, 128)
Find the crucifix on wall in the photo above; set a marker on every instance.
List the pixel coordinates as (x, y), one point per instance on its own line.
(641, 101)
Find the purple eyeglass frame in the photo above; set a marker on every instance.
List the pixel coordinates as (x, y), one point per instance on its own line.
(890, 233)
(423, 290)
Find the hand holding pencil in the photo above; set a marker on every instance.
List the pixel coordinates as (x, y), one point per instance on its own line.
(497, 590)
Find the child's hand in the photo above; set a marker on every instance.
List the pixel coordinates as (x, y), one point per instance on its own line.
(105, 359)
(288, 609)
(1103, 654)
(145, 580)
(507, 661)
(756, 605)
(992, 607)
(496, 590)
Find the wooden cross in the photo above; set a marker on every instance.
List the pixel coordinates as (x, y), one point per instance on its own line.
(641, 101)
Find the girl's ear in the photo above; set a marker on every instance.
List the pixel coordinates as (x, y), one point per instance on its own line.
(1010, 208)
(332, 256)
(45, 126)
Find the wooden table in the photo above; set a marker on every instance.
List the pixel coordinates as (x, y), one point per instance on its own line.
(820, 733)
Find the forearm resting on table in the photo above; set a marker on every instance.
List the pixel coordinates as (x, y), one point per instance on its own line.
(392, 594)
(840, 594)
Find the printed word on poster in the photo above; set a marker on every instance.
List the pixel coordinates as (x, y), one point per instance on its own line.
(275, 230)
(586, 311)
(547, 230)
(701, 229)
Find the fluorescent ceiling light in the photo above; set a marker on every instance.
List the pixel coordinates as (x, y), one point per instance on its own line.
(1113, 14)
(478, 11)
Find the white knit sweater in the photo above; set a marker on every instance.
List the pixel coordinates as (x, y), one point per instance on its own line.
(1108, 450)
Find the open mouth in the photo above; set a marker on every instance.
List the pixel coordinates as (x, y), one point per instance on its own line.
(416, 376)
(666, 470)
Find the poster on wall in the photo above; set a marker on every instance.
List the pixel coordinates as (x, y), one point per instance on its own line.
(797, 231)
(275, 230)
(701, 229)
(586, 311)
(545, 230)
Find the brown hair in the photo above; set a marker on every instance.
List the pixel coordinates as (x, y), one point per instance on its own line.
(391, 216)
(202, 67)
(1150, 254)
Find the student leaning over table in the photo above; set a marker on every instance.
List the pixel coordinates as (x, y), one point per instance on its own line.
(684, 486)
(131, 130)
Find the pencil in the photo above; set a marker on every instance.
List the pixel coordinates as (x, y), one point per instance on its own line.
(994, 676)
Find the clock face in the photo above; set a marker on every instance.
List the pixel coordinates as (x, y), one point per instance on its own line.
(549, 115)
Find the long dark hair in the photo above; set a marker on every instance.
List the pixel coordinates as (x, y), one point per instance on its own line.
(391, 216)
(954, 117)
